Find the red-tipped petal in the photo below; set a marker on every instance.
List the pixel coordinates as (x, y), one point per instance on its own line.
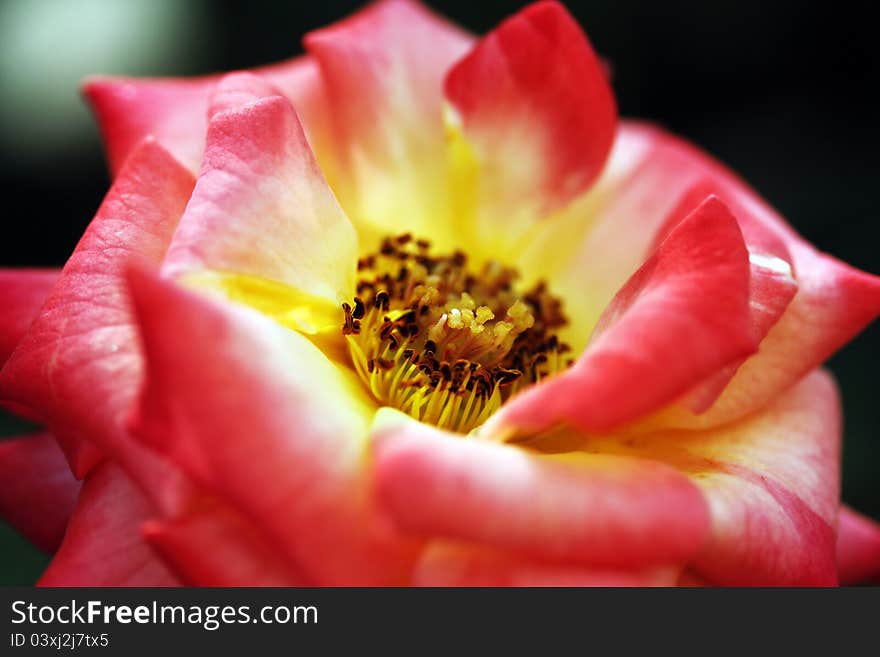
(22, 293)
(78, 367)
(261, 206)
(103, 545)
(448, 564)
(535, 106)
(858, 548)
(772, 285)
(261, 418)
(773, 490)
(771, 482)
(832, 304)
(592, 510)
(214, 546)
(383, 68)
(129, 109)
(173, 109)
(682, 317)
(38, 490)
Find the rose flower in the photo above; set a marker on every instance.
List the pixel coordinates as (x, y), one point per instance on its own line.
(417, 308)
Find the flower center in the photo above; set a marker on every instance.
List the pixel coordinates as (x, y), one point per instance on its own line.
(444, 344)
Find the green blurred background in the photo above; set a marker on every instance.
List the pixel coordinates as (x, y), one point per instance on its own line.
(781, 91)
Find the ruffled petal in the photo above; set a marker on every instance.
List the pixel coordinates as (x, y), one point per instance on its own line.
(773, 489)
(683, 316)
(771, 482)
(450, 564)
(600, 511)
(22, 293)
(78, 367)
(103, 544)
(772, 285)
(128, 110)
(858, 548)
(173, 110)
(536, 112)
(383, 68)
(833, 304)
(632, 209)
(261, 207)
(214, 546)
(258, 416)
(38, 490)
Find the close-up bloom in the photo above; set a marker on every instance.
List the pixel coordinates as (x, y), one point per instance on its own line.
(419, 308)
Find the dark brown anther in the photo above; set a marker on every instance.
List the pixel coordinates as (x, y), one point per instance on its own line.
(430, 346)
(408, 354)
(383, 301)
(446, 370)
(348, 326)
(506, 377)
(359, 308)
(384, 363)
(371, 365)
(423, 244)
(402, 274)
(387, 248)
(404, 239)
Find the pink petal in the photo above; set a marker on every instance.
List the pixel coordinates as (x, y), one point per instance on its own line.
(448, 564)
(653, 172)
(833, 304)
(600, 511)
(22, 293)
(103, 544)
(535, 105)
(214, 546)
(771, 288)
(173, 110)
(771, 482)
(78, 367)
(257, 415)
(383, 68)
(858, 547)
(683, 316)
(38, 491)
(261, 206)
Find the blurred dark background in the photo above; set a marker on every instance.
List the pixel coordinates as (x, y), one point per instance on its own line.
(781, 91)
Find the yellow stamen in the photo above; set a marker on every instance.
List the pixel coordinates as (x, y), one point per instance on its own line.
(445, 345)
